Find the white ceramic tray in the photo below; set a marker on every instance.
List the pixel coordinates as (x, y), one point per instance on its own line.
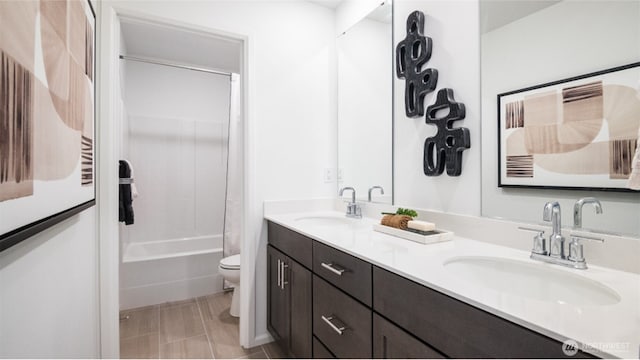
(441, 236)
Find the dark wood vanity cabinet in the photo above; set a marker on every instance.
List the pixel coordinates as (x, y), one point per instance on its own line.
(391, 342)
(456, 329)
(320, 351)
(340, 322)
(289, 303)
(347, 273)
(289, 290)
(278, 300)
(324, 303)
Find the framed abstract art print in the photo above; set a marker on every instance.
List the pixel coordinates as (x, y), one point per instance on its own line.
(47, 116)
(577, 133)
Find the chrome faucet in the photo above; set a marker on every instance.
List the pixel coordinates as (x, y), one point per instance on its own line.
(556, 240)
(353, 209)
(577, 210)
(556, 253)
(375, 187)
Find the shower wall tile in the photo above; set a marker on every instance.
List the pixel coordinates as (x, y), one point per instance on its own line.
(163, 155)
(210, 169)
(176, 139)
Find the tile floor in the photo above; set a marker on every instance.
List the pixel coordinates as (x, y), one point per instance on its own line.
(196, 328)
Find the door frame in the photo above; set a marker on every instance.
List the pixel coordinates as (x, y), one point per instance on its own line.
(108, 147)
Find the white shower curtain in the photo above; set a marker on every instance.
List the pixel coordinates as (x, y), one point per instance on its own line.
(233, 206)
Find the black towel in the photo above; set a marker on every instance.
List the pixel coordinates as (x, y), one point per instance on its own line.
(125, 208)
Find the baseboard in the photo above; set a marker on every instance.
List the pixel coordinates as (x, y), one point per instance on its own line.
(262, 339)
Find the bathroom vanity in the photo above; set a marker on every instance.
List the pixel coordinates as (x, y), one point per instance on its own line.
(336, 288)
(325, 302)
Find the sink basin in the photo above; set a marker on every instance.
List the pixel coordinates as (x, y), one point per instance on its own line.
(329, 221)
(532, 281)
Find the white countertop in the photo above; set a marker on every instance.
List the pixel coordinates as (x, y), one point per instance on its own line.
(610, 330)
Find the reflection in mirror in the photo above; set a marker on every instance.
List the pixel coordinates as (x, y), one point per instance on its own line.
(528, 43)
(365, 106)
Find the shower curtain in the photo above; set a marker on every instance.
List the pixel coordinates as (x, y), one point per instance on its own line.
(233, 205)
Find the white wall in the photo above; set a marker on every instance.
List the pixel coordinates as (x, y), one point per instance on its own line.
(595, 35)
(49, 296)
(453, 27)
(292, 72)
(49, 302)
(365, 108)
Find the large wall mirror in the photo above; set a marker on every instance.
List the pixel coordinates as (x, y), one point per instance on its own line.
(365, 118)
(529, 43)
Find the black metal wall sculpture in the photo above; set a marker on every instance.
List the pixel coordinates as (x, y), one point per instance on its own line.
(411, 54)
(444, 149)
(446, 146)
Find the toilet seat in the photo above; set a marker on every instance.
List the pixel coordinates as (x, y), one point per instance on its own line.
(231, 262)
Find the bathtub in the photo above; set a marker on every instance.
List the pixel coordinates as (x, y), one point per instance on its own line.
(154, 272)
(164, 249)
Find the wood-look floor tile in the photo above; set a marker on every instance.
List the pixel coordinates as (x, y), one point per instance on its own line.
(191, 348)
(222, 328)
(178, 302)
(274, 351)
(140, 347)
(139, 322)
(216, 307)
(255, 355)
(180, 322)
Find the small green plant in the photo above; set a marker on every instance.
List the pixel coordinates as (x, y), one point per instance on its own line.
(407, 212)
(402, 211)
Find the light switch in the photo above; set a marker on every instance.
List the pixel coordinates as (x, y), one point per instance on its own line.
(328, 175)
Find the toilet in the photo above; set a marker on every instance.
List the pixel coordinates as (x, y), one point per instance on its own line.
(230, 268)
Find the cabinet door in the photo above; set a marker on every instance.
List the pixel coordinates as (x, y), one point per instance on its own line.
(391, 342)
(320, 351)
(278, 316)
(299, 280)
(340, 322)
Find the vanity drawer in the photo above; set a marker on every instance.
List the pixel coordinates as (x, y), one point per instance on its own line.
(340, 322)
(391, 342)
(348, 273)
(455, 328)
(295, 245)
(320, 351)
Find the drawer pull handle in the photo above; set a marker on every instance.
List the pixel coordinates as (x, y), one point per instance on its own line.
(328, 320)
(283, 281)
(331, 267)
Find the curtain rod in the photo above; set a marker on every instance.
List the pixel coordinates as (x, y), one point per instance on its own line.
(181, 66)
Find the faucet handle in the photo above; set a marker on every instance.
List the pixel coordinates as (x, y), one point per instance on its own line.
(576, 251)
(578, 236)
(537, 230)
(539, 242)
